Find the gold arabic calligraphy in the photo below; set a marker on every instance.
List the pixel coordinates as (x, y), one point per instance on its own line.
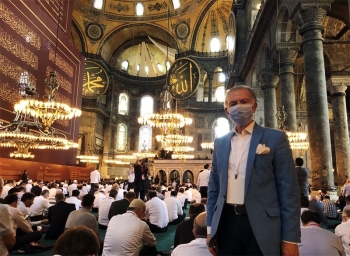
(96, 83)
(181, 79)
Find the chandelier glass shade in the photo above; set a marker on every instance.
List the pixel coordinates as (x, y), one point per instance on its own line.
(174, 139)
(182, 157)
(207, 145)
(179, 149)
(88, 159)
(144, 155)
(165, 121)
(116, 162)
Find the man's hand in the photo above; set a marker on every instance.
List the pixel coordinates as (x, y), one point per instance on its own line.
(289, 249)
(212, 250)
(45, 221)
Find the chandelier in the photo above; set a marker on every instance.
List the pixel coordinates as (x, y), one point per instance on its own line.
(116, 162)
(144, 155)
(297, 140)
(88, 159)
(207, 145)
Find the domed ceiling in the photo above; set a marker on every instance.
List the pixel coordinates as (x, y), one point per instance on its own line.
(111, 30)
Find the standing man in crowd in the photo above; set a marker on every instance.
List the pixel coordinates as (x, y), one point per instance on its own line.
(303, 175)
(203, 180)
(252, 186)
(95, 178)
(140, 182)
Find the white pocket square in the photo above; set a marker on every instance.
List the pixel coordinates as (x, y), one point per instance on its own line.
(262, 149)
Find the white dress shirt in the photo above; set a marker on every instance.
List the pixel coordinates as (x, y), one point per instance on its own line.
(174, 208)
(71, 187)
(203, 178)
(95, 176)
(195, 247)
(182, 197)
(85, 189)
(6, 227)
(188, 193)
(125, 235)
(103, 211)
(99, 196)
(167, 194)
(40, 204)
(157, 212)
(343, 232)
(196, 196)
(120, 194)
(29, 187)
(5, 190)
(74, 200)
(18, 220)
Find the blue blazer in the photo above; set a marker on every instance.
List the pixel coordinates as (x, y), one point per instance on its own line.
(271, 189)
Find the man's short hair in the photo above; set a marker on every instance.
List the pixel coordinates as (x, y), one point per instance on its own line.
(308, 216)
(113, 193)
(75, 192)
(59, 197)
(299, 161)
(45, 192)
(152, 194)
(196, 209)
(130, 195)
(27, 196)
(173, 193)
(346, 211)
(206, 166)
(240, 87)
(88, 200)
(11, 198)
(13, 190)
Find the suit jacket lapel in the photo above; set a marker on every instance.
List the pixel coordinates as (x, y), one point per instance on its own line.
(254, 142)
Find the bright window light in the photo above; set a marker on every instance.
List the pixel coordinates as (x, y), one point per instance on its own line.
(167, 64)
(220, 94)
(160, 67)
(222, 78)
(215, 45)
(138, 67)
(146, 69)
(176, 4)
(98, 4)
(125, 65)
(139, 9)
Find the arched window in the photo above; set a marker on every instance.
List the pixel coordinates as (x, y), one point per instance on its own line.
(98, 4)
(221, 78)
(160, 67)
(125, 65)
(146, 105)
(220, 94)
(145, 138)
(121, 137)
(139, 9)
(123, 107)
(221, 127)
(215, 44)
(176, 4)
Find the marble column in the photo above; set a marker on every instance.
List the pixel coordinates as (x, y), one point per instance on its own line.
(337, 87)
(312, 16)
(269, 81)
(286, 73)
(210, 93)
(107, 140)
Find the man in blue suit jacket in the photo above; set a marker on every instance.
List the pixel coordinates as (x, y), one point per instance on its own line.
(261, 214)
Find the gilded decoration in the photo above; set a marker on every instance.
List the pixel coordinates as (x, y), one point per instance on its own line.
(118, 7)
(9, 93)
(205, 31)
(64, 83)
(12, 70)
(157, 6)
(19, 26)
(17, 49)
(61, 63)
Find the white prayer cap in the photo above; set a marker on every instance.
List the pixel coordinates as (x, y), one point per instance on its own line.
(137, 203)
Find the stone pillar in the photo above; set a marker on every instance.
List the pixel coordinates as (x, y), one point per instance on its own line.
(337, 87)
(210, 93)
(286, 73)
(107, 140)
(269, 80)
(312, 15)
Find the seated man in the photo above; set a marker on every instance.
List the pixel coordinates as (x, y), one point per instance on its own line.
(40, 204)
(315, 240)
(121, 206)
(74, 199)
(317, 206)
(168, 193)
(104, 208)
(98, 199)
(184, 234)
(199, 245)
(343, 230)
(58, 215)
(24, 232)
(183, 198)
(330, 209)
(27, 201)
(159, 193)
(175, 212)
(133, 231)
(83, 215)
(157, 214)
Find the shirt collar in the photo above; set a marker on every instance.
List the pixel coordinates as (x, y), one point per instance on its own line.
(248, 129)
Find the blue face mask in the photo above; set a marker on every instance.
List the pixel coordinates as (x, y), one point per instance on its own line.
(241, 114)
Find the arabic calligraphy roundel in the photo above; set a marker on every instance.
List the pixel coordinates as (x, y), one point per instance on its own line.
(182, 30)
(183, 78)
(94, 31)
(95, 80)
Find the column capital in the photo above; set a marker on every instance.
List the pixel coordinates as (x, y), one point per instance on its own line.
(268, 78)
(337, 85)
(312, 13)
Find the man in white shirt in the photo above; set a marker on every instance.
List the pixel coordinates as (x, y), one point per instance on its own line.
(131, 177)
(175, 212)
(343, 231)
(7, 234)
(157, 213)
(29, 186)
(182, 197)
(27, 201)
(99, 196)
(203, 180)
(72, 187)
(6, 188)
(168, 193)
(197, 246)
(95, 177)
(103, 209)
(40, 204)
(133, 231)
(74, 199)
